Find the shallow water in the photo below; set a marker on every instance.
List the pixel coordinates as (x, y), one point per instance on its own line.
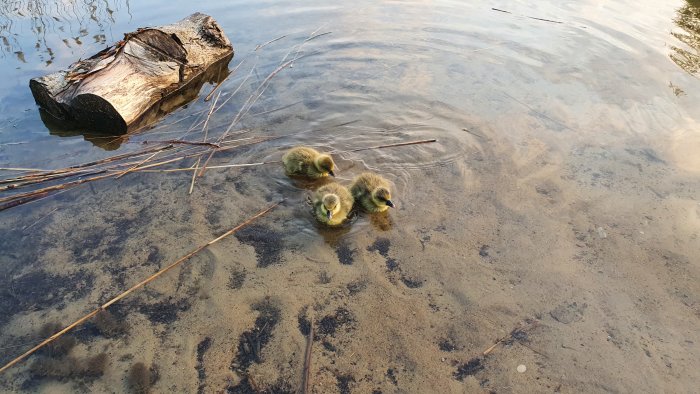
(562, 191)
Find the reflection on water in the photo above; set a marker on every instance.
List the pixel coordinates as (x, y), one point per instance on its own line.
(61, 129)
(688, 19)
(71, 21)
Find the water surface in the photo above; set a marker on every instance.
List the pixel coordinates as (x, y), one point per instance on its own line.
(562, 195)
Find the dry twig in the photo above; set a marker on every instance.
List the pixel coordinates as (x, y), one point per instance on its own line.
(306, 375)
(135, 287)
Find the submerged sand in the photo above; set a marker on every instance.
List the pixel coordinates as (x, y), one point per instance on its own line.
(584, 260)
(557, 218)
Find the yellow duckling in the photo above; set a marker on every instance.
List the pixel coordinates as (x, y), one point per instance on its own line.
(307, 162)
(372, 192)
(332, 203)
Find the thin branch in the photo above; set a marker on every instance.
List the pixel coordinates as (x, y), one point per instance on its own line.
(38, 220)
(526, 16)
(260, 46)
(181, 142)
(306, 375)
(218, 85)
(128, 170)
(394, 145)
(135, 287)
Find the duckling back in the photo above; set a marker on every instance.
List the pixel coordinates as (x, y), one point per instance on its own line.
(301, 161)
(340, 213)
(364, 190)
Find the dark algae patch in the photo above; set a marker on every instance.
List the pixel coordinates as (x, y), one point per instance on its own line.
(391, 375)
(469, 368)
(108, 325)
(252, 342)
(202, 348)
(324, 278)
(328, 346)
(40, 290)
(246, 386)
(380, 245)
(59, 347)
(268, 244)
(165, 312)
(237, 278)
(95, 366)
(304, 323)
(343, 383)
(140, 378)
(67, 368)
(346, 256)
(411, 283)
(329, 324)
(356, 286)
(446, 345)
(250, 346)
(484, 251)
(392, 264)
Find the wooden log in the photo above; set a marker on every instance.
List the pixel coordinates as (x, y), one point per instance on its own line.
(149, 72)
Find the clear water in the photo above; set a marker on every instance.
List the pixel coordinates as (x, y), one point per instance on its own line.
(563, 188)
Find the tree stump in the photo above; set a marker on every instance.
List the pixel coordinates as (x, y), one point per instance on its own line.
(129, 84)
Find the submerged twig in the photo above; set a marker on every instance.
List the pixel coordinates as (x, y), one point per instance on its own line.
(245, 105)
(393, 145)
(538, 112)
(473, 133)
(73, 168)
(35, 179)
(218, 85)
(139, 164)
(219, 166)
(259, 46)
(135, 287)
(526, 16)
(22, 169)
(306, 375)
(511, 334)
(181, 142)
(38, 220)
(22, 198)
(194, 174)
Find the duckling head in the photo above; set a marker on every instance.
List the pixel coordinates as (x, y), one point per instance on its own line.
(381, 196)
(324, 163)
(330, 205)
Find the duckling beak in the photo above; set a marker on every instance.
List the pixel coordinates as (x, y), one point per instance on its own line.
(329, 214)
(331, 173)
(389, 203)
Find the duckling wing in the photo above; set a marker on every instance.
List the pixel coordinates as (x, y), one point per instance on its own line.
(360, 187)
(346, 199)
(298, 160)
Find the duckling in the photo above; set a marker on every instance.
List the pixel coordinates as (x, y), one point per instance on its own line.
(332, 203)
(371, 192)
(307, 162)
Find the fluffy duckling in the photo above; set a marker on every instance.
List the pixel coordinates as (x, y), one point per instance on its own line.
(307, 162)
(332, 203)
(372, 192)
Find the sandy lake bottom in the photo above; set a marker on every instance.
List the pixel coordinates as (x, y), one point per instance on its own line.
(557, 216)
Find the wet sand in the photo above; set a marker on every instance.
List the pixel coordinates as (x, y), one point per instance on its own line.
(596, 262)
